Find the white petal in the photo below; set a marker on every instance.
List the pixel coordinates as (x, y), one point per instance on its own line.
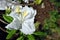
(26, 1)
(14, 15)
(31, 12)
(2, 4)
(14, 25)
(28, 27)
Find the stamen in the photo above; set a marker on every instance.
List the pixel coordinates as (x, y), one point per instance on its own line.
(25, 13)
(17, 9)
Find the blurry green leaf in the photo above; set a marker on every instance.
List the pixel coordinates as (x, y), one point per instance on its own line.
(40, 33)
(52, 25)
(46, 21)
(30, 37)
(7, 30)
(10, 34)
(53, 18)
(37, 24)
(7, 18)
(20, 38)
(53, 13)
(20, 1)
(58, 16)
(37, 1)
(21, 33)
(57, 4)
(52, 0)
(49, 23)
(46, 25)
(58, 30)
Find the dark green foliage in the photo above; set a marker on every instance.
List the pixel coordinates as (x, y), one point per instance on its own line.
(20, 38)
(53, 13)
(53, 18)
(7, 18)
(40, 34)
(58, 17)
(10, 34)
(56, 2)
(50, 23)
(30, 37)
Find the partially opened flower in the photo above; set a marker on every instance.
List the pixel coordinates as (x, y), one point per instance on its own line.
(23, 19)
(26, 1)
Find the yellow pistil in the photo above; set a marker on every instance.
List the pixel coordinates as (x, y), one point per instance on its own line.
(17, 9)
(25, 13)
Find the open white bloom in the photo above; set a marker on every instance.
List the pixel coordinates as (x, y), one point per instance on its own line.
(2, 4)
(26, 1)
(23, 21)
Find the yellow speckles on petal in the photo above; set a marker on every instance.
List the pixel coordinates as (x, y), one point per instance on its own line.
(17, 9)
(25, 13)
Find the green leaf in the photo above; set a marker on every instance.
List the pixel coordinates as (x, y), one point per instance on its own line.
(20, 38)
(30, 37)
(40, 33)
(37, 1)
(7, 18)
(37, 24)
(10, 34)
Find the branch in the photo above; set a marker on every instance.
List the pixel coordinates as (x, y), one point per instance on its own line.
(3, 30)
(3, 21)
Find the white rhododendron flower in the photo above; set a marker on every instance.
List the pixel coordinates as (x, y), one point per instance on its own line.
(23, 19)
(26, 1)
(2, 4)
